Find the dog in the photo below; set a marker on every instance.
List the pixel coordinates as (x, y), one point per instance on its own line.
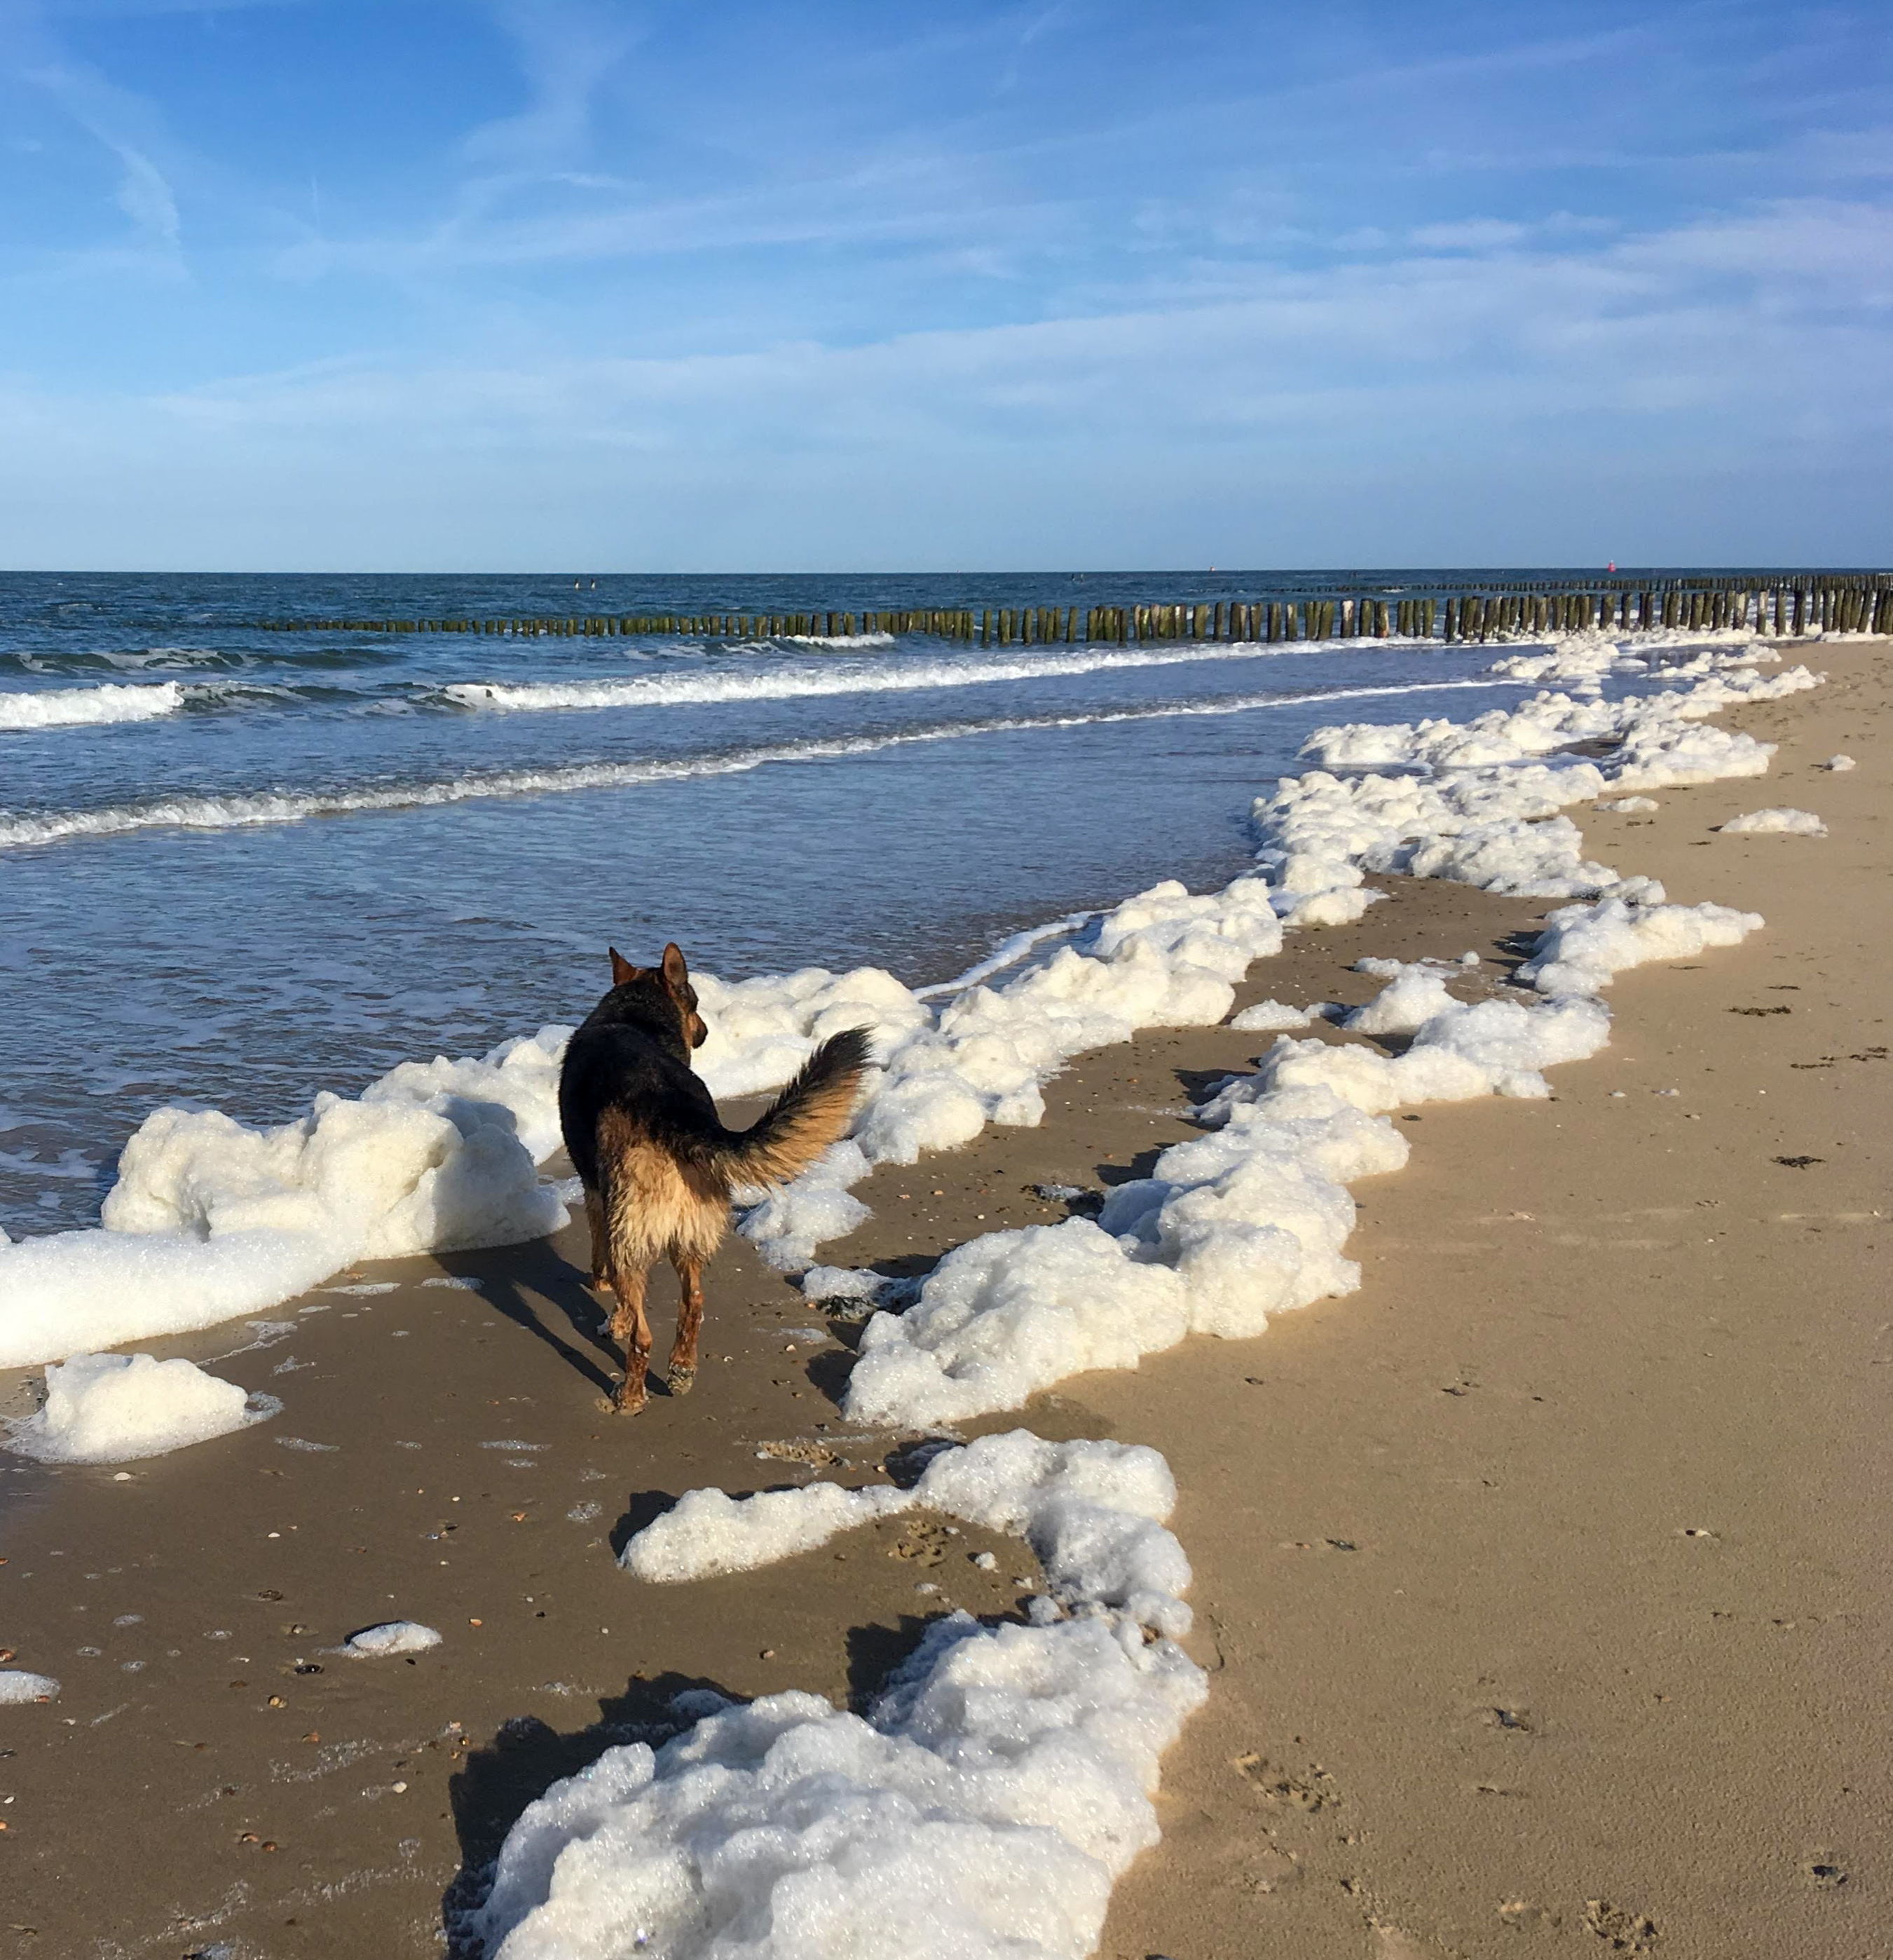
(656, 1162)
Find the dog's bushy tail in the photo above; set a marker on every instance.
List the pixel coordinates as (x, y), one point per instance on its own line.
(809, 1115)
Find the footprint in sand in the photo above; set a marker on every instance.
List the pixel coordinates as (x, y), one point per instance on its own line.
(1391, 1942)
(1621, 1932)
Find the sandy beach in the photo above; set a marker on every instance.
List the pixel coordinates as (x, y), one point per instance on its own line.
(1541, 1582)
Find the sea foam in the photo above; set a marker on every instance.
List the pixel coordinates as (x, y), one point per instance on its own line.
(980, 1808)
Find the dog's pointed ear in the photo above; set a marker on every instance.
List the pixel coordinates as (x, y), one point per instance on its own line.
(676, 974)
(621, 969)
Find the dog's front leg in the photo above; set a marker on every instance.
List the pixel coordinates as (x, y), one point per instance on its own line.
(631, 1331)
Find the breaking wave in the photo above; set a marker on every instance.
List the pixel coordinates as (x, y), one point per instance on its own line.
(87, 707)
(22, 830)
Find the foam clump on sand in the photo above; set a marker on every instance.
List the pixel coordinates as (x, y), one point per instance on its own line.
(87, 706)
(116, 1408)
(761, 1030)
(1007, 1314)
(1776, 822)
(1582, 948)
(1840, 763)
(1165, 957)
(1457, 1053)
(1416, 994)
(391, 1638)
(1630, 806)
(979, 1810)
(706, 1531)
(1478, 802)
(1584, 659)
(1092, 1511)
(1267, 1017)
(17, 1684)
(211, 1217)
(1229, 1230)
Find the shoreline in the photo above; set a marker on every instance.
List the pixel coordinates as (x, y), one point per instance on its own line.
(697, 1632)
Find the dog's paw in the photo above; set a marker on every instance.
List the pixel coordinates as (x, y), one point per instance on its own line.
(681, 1380)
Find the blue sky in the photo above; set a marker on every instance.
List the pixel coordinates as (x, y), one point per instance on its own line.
(493, 285)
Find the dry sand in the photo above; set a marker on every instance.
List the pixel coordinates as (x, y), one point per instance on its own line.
(1544, 1580)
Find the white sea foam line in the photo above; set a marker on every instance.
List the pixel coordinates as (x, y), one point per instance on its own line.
(1008, 953)
(87, 707)
(798, 683)
(18, 832)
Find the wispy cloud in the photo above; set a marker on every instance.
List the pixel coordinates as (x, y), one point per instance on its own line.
(566, 50)
(123, 122)
(1694, 319)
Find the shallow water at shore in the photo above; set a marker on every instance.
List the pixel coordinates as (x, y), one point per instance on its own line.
(242, 866)
(312, 859)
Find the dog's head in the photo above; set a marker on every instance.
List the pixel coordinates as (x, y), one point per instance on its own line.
(672, 979)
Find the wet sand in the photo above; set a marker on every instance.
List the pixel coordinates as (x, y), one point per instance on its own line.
(1543, 1580)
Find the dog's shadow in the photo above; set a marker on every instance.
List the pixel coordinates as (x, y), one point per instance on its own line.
(544, 1274)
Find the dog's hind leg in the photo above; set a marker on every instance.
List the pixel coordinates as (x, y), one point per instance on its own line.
(600, 1253)
(681, 1377)
(631, 1331)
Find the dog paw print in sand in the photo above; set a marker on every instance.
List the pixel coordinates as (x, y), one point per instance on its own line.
(1527, 1916)
(1274, 1784)
(922, 1541)
(1270, 1870)
(1621, 1930)
(814, 1455)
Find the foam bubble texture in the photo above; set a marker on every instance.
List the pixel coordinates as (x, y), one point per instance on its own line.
(1776, 822)
(979, 1810)
(116, 1408)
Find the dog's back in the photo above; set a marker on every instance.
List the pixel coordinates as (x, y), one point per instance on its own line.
(641, 1130)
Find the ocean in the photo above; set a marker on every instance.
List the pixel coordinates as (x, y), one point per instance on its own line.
(240, 866)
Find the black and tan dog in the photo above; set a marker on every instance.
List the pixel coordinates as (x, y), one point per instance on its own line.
(657, 1164)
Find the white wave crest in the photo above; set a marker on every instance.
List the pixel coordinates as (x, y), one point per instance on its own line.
(795, 683)
(236, 813)
(86, 707)
(840, 639)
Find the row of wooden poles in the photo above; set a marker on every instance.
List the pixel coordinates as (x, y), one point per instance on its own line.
(1835, 605)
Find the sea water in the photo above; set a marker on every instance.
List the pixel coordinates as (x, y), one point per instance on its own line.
(238, 866)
